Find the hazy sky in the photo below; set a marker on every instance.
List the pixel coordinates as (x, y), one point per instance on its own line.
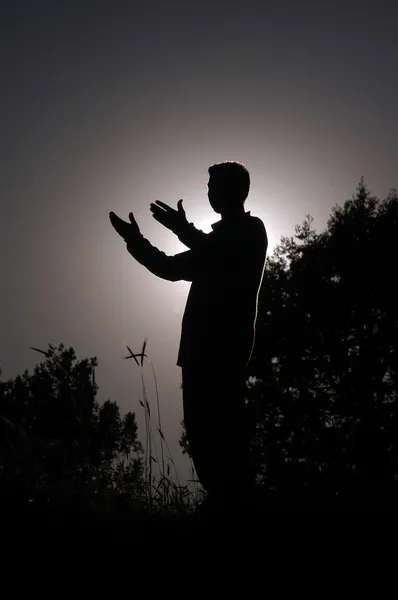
(112, 105)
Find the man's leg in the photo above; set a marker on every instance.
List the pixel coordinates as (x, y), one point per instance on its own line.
(196, 421)
(215, 422)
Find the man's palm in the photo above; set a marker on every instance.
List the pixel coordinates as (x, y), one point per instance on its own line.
(167, 216)
(125, 230)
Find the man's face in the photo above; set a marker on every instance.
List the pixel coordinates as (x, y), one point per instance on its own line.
(216, 193)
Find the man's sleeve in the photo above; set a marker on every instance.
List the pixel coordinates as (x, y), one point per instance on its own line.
(240, 246)
(173, 268)
(227, 252)
(190, 236)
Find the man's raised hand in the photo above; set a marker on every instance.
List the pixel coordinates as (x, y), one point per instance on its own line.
(125, 230)
(169, 217)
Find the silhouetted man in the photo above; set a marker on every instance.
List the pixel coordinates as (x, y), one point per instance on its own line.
(218, 328)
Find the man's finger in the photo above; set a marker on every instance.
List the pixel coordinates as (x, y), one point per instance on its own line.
(164, 205)
(118, 223)
(158, 213)
(115, 220)
(157, 209)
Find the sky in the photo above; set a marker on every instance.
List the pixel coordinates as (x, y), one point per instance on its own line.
(113, 105)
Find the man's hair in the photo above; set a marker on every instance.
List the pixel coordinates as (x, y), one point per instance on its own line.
(235, 177)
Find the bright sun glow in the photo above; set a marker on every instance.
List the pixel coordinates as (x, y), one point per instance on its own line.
(204, 223)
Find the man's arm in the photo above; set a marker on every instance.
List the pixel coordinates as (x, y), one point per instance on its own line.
(247, 243)
(240, 244)
(190, 236)
(177, 222)
(228, 252)
(173, 268)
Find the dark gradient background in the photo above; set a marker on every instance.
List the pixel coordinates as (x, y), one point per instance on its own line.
(112, 105)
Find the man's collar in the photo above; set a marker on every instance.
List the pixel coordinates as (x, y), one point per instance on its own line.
(221, 222)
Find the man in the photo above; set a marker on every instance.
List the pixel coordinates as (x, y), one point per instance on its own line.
(226, 268)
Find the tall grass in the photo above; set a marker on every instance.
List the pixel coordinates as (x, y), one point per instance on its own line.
(167, 493)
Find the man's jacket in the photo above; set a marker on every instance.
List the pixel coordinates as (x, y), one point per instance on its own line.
(226, 268)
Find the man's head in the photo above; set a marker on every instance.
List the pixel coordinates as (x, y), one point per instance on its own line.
(228, 186)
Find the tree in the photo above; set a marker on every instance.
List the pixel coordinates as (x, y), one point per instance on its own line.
(324, 385)
(57, 442)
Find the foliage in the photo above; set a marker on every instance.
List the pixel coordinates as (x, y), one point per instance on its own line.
(57, 443)
(324, 375)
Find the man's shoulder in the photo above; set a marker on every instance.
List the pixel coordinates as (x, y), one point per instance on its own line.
(255, 223)
(254, 219)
